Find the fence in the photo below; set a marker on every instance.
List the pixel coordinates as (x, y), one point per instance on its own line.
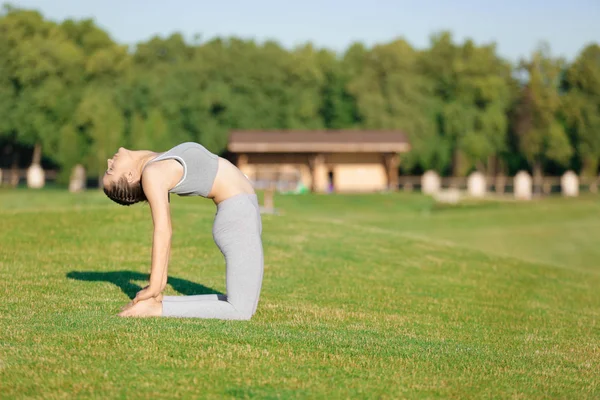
(476, 184)
(521, 185)
(18, 176)
(549, 184)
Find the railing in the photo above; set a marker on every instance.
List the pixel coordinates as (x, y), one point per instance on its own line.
(548, 185)
(9, 175)
(288, 182)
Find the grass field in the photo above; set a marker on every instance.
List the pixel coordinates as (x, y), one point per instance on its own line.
(364, 296)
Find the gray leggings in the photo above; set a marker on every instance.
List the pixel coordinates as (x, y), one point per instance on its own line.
(237, 232)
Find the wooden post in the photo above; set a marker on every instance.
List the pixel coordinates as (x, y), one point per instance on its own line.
(242, 160)
(391, 161)
(14, 172)
(594, 185)
(316, 163)
(500, 184)
(269, 203)
(546, 187)
(501, 180)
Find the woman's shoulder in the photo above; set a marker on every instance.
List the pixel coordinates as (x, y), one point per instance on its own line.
(166, 173)
(186, 145)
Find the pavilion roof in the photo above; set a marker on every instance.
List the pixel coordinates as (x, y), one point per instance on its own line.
(308, 141)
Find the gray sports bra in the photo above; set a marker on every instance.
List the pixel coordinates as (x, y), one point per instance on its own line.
(199, 168)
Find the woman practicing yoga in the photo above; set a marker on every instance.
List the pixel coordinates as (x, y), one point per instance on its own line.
(189, 169)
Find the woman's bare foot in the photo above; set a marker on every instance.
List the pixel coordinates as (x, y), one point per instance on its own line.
(145, 308)
(128, 305)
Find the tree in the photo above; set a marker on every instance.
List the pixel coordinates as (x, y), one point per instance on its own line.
(138, 139)
(391, 93)
(338, 106)
(472, 85)
(8, 94)
(72, 149)
(151, 133)
(41, 64)
(541, 136)
(69, 89)
(581, 107)
(103, 124)
(172, 50)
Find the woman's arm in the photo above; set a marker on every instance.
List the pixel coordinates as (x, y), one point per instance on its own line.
(156, 188)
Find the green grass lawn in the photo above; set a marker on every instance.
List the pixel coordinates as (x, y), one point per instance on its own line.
(364, 296)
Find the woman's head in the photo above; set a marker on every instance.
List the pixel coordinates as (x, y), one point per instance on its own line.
(122, 180)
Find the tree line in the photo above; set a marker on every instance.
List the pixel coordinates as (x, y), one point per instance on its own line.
(71, 92)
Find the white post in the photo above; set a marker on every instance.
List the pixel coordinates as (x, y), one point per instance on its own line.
(476, 184)
(430, 182)
(35, 176)
(569, 184)
(523, 186)
(77, 181)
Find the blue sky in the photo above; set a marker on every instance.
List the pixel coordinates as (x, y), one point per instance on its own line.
(516, 26)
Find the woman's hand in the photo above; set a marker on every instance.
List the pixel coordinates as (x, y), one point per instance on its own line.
(146, 293)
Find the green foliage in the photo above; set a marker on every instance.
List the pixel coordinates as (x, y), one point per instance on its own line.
(40, 64)
(70, 151)
(102, 123)
(151, 133)
(473, 85)
(581, 107)
(338, 106)
(389, 91)
(542, 138)
(459, 103)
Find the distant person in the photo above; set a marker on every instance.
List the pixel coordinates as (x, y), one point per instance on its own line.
(189, 169)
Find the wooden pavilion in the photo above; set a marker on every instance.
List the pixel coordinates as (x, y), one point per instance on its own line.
(324, 161)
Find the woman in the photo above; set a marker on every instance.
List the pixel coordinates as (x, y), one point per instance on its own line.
(189, 169)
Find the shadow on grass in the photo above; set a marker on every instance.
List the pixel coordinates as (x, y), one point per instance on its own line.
(123, 279)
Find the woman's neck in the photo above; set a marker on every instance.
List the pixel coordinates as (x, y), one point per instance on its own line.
(144, 157)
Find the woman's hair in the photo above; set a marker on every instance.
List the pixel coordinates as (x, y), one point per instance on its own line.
(125, 193)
